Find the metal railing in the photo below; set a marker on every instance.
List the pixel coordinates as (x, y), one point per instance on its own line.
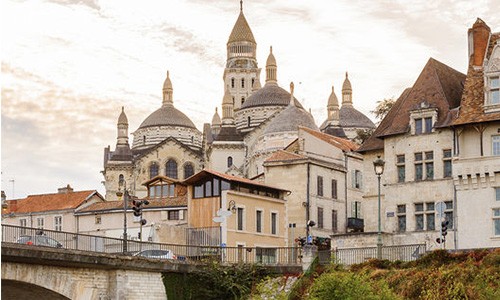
(184, 253)
(349, 256)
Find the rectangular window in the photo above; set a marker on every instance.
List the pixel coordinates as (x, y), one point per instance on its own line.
(98, 219)
(430, 216)
(418, 126)
(496, 221)
(429, 165)
(216, 187)
(334, 189)
(151, 191)
(320, 185)
(400, 163)
(173, 215)
(401, 213)
(274, 223)
(23, 223)
(419, 216)
(240, 218)
(164, 191)
(495, 143)
(494, 90)
(357, 179)
(39, 223)
(428, 125)
(446, 163)
(320, 217)
(258, 221)
(356, 209)
(448, 213)
(497, 194)
(334, 221)
(422, 161)
(198, 190)
(58, 223)
(208, 188)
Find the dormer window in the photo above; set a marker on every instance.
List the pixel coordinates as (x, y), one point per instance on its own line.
(422, 120)
(492, 81)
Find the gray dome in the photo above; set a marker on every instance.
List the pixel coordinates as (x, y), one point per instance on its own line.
(269, 95)
(289, 120)
(351, 117)
(167, 116)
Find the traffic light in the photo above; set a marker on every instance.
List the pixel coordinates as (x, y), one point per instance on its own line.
(137, 208)
(444, 227)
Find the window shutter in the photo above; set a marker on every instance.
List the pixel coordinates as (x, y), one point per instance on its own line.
(360, 180)
(353, 178)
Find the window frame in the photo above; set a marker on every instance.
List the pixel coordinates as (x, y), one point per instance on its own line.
(447, 171)
(320, 215)
(334, 189)
(401, 166)
(58, 223)
(335, 220)
(240, 220)
(258, 220)
(495, 145)
(319, 186)
(274, 223)
(401, 217)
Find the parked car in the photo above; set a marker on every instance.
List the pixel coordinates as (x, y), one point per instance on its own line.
(39, 240)
(157, 254)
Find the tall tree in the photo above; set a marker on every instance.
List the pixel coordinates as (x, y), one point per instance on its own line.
(383, 107)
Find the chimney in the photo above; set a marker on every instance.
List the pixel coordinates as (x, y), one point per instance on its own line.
(65, 190)
(478, 37)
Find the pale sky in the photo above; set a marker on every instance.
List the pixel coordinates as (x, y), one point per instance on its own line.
(69, 65)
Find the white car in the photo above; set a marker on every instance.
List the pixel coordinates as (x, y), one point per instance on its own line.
(157, 254)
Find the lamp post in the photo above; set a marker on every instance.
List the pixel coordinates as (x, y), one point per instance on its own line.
(378, 165)
(122, 184)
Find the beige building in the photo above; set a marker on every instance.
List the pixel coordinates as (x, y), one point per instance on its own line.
(324, 175)
(50, 211)
(476, 161)
(416, 143)
(235, 212)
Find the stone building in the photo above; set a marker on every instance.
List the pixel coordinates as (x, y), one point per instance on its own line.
(416, 142)
(256, 121)
(476, 132)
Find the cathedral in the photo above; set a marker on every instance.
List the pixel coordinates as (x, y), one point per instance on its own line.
(255, 122)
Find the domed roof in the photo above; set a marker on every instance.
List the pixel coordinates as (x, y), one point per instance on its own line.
(241, 31)
(332, 100)
(122, 119)
(167, 115)
(347, 83)
(271, 60)
(216, 118)
(269, 95)
(351, 117)
(290, 119)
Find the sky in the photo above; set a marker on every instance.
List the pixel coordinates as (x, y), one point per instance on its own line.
(68, 66)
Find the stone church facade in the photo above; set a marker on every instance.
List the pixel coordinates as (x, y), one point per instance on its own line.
(256, 122)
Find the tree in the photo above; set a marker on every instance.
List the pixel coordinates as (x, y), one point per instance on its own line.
(362, 135)
(383, 107)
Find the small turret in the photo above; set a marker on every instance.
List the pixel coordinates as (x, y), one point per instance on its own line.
(168, 98)
(346, 91)
(333, 108)
(271, 68)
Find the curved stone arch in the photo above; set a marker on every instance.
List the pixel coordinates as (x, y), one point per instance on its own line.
(172, 167)
(152, 172)
(185, 172)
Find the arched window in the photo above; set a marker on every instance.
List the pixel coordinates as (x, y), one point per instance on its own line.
(242, 82)
(242, 100)
(253, 82)
(188, 170)
(144, 139)
(153, 170)
(229, 161)
(121, 178)
(192, 140)
(233, 100)
(232, 83)
(171, 169)
(248, 121)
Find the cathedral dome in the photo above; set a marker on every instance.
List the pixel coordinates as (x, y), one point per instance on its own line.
(351, 117)
(290, 119)
(167, 115)
(269, 95)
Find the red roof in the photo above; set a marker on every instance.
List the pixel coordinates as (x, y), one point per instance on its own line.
(282, 155)
(343, 144)
(50, 202)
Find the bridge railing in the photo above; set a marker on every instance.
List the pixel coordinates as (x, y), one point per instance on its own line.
(187, 253)
(349, 256)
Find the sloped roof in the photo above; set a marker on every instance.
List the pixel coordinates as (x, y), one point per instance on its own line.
(161, 178)
(51, 202)
(343, 144)
(270, 95)
(375, 143)
(290, 119)
(438, 85)
(167, 115)
(196, 177)
(228, 134)
(241, 31)
(118, 205)
(472, 103)
(282, 155)
(351, 117)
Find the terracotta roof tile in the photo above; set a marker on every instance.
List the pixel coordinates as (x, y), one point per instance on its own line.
(438, 85)
(343, 144)
(118, 205)
(50, 202)
(472, 104)
(282, 155)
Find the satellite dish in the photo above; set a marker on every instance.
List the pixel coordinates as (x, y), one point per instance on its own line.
(218, 219)
(224, 213)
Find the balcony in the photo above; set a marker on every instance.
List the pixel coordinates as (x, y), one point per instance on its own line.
(355, 225)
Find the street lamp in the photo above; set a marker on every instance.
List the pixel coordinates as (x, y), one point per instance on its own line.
(122, 185)
(378, 165)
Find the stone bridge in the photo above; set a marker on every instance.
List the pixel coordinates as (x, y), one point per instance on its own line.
(30, 272)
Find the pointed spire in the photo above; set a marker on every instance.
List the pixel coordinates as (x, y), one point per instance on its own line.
(216, 119)
(332, 108)
(346, 91)
(168, 91)
(122, 119)
(227, 107)
(122, 129)
(241, 5)
(271, 68)
(292, 103)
